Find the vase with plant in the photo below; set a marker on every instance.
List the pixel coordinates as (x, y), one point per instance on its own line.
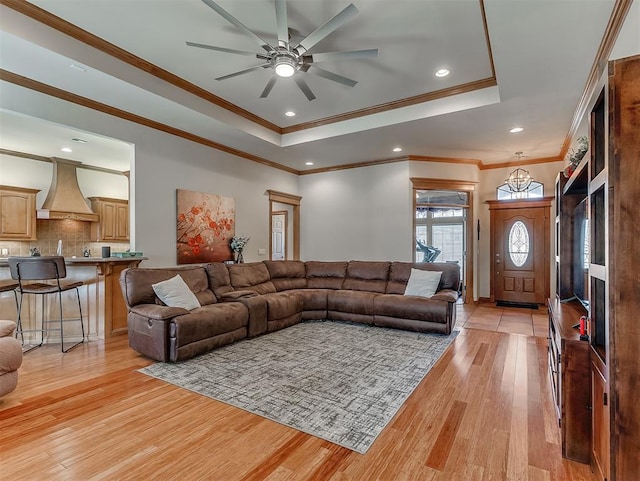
(238, 244)
(575, 156)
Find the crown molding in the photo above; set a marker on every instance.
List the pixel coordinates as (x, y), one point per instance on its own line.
(31, 84)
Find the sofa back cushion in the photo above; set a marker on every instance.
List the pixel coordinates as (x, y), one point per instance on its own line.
(252, 276)
(400, 272)
(367, 276)
(325, 275)
(287, 275)
(137, 283)
(219, 280)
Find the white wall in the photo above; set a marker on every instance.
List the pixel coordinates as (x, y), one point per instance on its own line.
(362, 213)
(164, 163)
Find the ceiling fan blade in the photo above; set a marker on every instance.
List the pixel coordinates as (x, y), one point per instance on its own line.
(267, 89)
(321, 32)
(331, 76)
(227, 50)
(281, 20)
(350, 55)
(242, 72)
(304, 87)
(231, 19)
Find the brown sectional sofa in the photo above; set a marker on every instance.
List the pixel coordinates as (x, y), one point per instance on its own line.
(247, 300)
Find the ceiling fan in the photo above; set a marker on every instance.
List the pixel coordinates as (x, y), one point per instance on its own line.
(286, 59)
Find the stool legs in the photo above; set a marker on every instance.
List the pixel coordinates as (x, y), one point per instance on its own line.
(43, 321)
(62, 322)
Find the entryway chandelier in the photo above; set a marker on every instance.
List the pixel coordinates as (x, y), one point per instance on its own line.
(520, 179)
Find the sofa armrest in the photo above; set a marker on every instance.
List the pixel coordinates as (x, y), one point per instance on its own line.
(235, 295)
(448, 295)
(160, 313)
(257, 306)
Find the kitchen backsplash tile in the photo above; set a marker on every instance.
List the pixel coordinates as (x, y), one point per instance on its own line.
(75, 236)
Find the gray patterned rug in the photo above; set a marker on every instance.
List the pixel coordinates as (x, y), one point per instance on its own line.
(338, 381)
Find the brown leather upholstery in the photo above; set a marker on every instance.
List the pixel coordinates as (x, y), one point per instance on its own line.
(400, 272)
(325, 275)
(137, 283)
(261, 297)
(287, 275)
(252, 276)
(367, 276)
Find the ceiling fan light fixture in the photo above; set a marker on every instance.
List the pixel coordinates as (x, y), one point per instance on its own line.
(285, 66)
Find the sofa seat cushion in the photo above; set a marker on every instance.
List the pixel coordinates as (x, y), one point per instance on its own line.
(313, 299)
(410, 307)
(208, 321)
(355, 302)
(283, 304)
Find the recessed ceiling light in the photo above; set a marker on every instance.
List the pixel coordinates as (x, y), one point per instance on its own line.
(66, 149)
(397, 149)
(515, 130)
(308, 163)
(80, 68)
(290, 113)
(443, 72)
(80, 141)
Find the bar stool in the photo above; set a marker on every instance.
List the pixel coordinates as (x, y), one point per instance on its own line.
(43, 269)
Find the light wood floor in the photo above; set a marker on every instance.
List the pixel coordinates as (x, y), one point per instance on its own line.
(484, 412)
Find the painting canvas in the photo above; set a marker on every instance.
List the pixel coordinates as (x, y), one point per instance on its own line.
(205, 226)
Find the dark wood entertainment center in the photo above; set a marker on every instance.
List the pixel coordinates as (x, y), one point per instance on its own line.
(596, 381)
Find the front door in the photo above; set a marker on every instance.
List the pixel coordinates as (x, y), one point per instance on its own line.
(520, 254)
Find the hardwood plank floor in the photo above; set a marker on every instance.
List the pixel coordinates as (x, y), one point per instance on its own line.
(483, 413)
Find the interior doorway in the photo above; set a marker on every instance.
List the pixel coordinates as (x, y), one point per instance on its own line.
(443, 217)
(279, 228)
(290, 204)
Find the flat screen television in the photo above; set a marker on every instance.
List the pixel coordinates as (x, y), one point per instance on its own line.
(580, 249)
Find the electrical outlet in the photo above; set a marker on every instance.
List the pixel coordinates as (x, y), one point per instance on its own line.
(5, 252)
(262, 252)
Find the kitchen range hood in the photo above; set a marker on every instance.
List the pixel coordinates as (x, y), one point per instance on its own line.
(64, 200)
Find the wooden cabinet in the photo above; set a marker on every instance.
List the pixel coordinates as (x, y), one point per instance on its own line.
(17, 213)
(569, 374)
(614, 300)
(113, 224)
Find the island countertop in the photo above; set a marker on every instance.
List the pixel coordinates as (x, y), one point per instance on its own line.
(79, 260)
(102, 301)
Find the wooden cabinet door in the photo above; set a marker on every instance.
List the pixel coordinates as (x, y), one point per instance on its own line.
(114, 219)
(599, 419)
(122, 222)
(108, 220)
(17, 214)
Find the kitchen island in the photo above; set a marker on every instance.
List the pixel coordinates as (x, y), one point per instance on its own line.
(103, 307)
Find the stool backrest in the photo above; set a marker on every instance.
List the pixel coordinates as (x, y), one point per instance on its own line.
(37, 268)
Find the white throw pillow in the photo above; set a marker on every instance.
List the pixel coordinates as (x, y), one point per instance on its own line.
(422, 283)
(174, 292)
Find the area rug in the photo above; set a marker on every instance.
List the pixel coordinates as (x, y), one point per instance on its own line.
(338, 381)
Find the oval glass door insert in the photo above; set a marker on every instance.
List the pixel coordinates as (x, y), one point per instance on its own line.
(518, 243)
